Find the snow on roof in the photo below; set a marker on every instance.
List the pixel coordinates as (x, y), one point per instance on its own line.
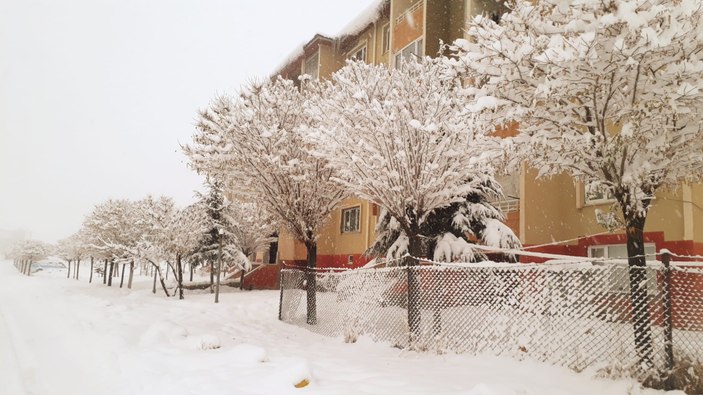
(371, 14)
(292, 56)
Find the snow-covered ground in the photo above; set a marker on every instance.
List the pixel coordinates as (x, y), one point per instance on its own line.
(63, 336)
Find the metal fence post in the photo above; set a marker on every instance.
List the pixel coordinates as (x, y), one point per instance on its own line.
(280, 297)
(668, 315)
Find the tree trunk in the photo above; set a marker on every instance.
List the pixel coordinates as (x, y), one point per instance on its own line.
(161, 280)
(78, 268)
(219, 270)
(131, 274)
(191, 271)
(311, 285)
(105, 272)
(29, 268)
(116, 272)
(167, 265)
(91, 270)
(179, 267)
(639, 299)
(241, 279)
(153, 287)
(109, 277)
(212, 276)
(68, 273)
(122, 277)
(415, 251)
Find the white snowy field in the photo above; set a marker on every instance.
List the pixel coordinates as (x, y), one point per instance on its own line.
(64, 336)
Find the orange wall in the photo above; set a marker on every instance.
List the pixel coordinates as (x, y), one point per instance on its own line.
(409, 29)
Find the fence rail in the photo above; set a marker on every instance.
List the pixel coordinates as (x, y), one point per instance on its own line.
(576, 315)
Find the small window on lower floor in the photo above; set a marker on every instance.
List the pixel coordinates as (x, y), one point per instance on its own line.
(619, 281)
(350, 219)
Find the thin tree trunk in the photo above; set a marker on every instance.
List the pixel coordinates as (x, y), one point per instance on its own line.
(167, 265)
(116, 272)
(131, 274)
(639, 299)
(191, 271)
(163, 284)
(29, 268)
(153, 287)
(105, 272)
(91, 270)
(415, 250)
(179, 267)
(78, 268)
(122, 277)
(212, 276)
(241, 279)
(109, 277)
(68, 273)
(311, 286)
(219, 269)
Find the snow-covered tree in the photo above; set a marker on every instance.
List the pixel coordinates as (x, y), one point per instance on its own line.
(608, 91)
(252, 228)
(447, 230)
(155, 218)
(112, 227)
(29, 252)
(397, 138)
(72, 249)
(256, 144)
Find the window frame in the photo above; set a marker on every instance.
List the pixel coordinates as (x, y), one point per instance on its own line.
(614, 285)
(590, 201)
(342, 222)
(361, 47)
(419, 42)
(385, 38)
(307, 60)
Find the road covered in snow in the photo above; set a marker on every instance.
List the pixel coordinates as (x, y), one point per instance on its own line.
(64, 336)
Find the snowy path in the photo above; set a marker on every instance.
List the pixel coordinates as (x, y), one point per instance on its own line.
(61, 336)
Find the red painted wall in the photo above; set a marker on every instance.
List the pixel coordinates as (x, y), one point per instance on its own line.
(681, 247)
(266, 277)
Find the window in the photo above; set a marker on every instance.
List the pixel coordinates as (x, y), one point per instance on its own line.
(620, 278)
(386, 41)
(597, 196)
(412, 51)
(350, 219)
(359, 54)
(312, 66)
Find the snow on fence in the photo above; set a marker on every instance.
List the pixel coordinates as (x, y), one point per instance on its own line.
(577, 314)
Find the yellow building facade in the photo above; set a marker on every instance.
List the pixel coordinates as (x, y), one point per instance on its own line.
(542, 212)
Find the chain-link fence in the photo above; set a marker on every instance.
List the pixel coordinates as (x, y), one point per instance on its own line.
(577, 315)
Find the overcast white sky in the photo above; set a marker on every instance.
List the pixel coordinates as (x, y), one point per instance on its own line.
(95, 95)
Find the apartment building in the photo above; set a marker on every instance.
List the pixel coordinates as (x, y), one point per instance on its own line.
(542, 212)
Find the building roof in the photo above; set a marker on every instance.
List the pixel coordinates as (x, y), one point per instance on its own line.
(362, 21)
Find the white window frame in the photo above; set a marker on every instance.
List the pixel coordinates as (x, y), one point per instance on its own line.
(421, 51)
(363, 47)
(316, 56)
(386, 38)
(590, 200)
(616, 284)
(343, 228)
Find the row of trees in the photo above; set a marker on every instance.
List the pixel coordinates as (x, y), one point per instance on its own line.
(393, 137)
(606, 91)
(26, 253)
(154, 233)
